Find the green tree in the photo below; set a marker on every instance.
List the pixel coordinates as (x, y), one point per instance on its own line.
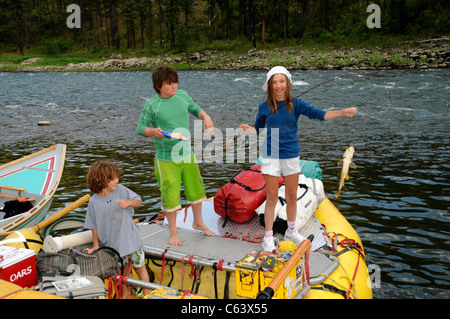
(172, 9)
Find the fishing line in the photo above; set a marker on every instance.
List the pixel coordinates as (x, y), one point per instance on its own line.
(314, 87)
(330, 80)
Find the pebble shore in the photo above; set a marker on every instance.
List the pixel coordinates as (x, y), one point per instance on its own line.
(434, 53)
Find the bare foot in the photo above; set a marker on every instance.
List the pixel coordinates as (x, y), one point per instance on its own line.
(174, 240)
(204, 229)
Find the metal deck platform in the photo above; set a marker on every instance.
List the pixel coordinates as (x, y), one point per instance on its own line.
(207, 250)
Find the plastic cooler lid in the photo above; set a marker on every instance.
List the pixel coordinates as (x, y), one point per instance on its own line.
(11, 255)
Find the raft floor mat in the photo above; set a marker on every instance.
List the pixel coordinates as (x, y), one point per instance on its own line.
(252, 229)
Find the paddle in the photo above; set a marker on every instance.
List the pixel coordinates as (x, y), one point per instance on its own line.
(61, 213)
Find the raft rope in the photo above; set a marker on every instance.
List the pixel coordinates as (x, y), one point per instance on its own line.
(163, 255)
(191, 257)
(196, 281)
(348, 244)
(195, 274)
(250, 238)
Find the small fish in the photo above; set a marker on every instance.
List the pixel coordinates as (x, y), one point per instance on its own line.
(346, 162)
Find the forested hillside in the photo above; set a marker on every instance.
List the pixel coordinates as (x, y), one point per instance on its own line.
(180, 25)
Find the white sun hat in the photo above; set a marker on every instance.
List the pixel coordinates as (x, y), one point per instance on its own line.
(275, 70)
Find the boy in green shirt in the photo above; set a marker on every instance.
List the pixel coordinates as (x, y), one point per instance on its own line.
(175, 161)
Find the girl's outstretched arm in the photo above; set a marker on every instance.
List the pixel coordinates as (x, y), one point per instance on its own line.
(331, 115)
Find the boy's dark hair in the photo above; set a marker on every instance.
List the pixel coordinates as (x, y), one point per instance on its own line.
(100, 174)
(164, 74)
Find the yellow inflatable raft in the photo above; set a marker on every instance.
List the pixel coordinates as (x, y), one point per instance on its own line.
(12, 291)
(233, 266)
(329, 265)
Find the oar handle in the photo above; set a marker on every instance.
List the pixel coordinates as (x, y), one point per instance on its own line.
(61, 213)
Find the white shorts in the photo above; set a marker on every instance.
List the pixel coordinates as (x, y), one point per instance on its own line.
(276, 166)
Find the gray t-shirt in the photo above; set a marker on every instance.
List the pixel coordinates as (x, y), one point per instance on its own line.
(115, 226)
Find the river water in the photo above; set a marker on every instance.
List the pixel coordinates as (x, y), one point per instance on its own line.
(397, 198)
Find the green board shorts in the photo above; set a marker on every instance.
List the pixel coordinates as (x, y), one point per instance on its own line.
(170, 175)
(137, 259)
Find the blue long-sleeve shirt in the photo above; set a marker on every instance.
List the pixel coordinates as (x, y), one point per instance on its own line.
(281, 140)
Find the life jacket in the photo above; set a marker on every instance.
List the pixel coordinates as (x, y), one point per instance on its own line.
(242, 195)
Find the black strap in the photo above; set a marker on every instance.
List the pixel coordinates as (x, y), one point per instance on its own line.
(306, 190)
(214, 266)
(226, 213)
(331, 288)
(226, 289)
(117, 254)
(283, 200)
(247, 188)
(36, 241)
(196, 282)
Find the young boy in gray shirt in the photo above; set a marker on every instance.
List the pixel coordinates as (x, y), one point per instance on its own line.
(110, 216)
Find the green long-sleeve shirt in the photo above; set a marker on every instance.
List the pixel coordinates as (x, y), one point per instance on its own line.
(170, 114)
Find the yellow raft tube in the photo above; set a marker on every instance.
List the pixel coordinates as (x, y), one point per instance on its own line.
(12, 291)
(351, 277)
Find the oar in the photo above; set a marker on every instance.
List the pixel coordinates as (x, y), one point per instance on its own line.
(61, 213)
(269, 291)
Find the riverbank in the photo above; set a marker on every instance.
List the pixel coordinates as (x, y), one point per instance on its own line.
(432, 53)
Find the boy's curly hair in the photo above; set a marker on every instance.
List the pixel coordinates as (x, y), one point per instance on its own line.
(100, 174)
(164, 74)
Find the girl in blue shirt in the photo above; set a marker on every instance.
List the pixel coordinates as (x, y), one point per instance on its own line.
(280, 153)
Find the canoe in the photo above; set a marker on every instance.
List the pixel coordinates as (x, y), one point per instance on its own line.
(33, 178)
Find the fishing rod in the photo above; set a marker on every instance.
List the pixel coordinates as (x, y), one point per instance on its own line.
(309, 90)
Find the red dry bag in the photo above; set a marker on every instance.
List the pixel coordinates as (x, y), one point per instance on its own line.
(241, 196)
